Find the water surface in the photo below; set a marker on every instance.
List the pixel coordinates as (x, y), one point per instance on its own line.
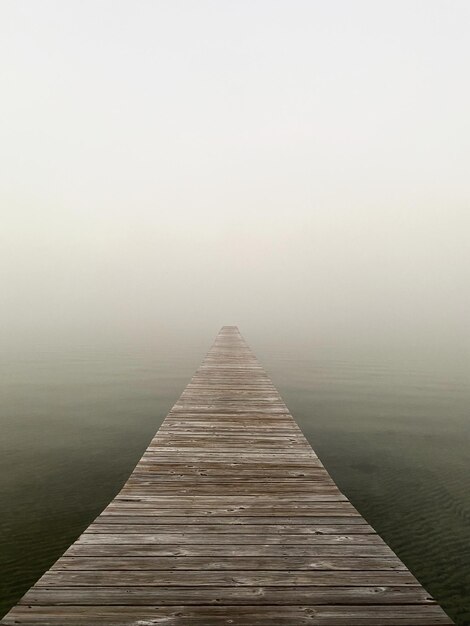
(395, 437)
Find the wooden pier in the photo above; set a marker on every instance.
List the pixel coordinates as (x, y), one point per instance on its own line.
(229, 518)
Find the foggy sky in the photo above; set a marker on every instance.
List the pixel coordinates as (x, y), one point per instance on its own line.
(297, 167)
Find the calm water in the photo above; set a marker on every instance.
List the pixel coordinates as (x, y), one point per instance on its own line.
(395, 438)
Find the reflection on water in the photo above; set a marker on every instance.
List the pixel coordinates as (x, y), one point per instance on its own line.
(395, 439)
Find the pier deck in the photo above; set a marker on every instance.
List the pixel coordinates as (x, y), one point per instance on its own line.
(228, 518)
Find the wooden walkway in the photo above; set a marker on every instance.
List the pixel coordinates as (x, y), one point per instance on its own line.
(229, 518)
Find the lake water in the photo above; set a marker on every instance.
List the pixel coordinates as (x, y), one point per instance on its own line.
(394, 435)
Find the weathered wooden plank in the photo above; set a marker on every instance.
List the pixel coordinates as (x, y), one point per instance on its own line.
(251, 550)
(143, 487)
(178, 538)
(246, 529)
(230, 616)
(249, 578)
(112, 518)
(231, 595)
(326, 509)
(309, 499)
(142, 473)
(205, 563)
(293, 463)
(229, 518)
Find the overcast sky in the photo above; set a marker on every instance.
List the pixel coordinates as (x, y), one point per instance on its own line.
(295, 166)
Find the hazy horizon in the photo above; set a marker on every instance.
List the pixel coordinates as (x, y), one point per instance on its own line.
(298, 169)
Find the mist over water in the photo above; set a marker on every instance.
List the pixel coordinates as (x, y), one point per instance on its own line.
(297, 169)
(300, 169)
